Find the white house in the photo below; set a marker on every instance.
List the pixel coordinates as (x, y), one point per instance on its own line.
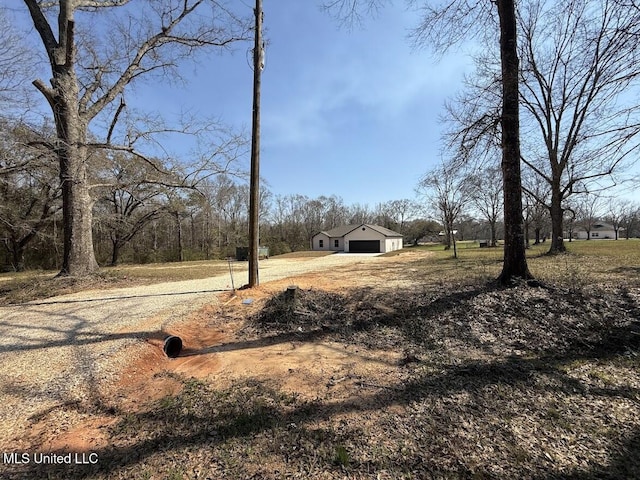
(362, 238)
(598, 231)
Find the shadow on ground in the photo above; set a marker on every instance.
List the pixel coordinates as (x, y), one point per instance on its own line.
(523, 383)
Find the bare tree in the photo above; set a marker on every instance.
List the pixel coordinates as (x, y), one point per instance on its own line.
(485, 189)
(16, 64)
(515, 260)
(417, 229)
(360, 213)
(631, 219)
(578, 76)
(130, 203)
(29, 189)
(616, 211)
(447, 190)
(450, 22)
(296, 218)
(88, 76)
(335, 212)
(313, 213)
(536, 195)
(210, 217)
(587, 211)
(579, 66)
(402, 211)
(350, 12)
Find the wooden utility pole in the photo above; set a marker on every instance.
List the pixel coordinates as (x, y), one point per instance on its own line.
(254, 186)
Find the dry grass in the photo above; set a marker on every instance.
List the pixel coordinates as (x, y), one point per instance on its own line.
(586, 261)
(304, 254)
(22, 287)
(26, 286)
(522, 383)
(168, 272)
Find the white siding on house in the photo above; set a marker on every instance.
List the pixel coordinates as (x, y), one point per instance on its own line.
(364, 233)
(392, 244)
(337, 239)
(603, 234)
(328, 243)
(321, 242)
(340, 244)
(598, 232)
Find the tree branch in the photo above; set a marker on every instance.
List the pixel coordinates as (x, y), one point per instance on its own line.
(115, 120)
(43, 28)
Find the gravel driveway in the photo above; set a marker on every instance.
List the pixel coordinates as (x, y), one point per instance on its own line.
(54, 352)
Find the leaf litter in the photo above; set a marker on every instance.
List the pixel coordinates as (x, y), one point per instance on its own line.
(523, 382)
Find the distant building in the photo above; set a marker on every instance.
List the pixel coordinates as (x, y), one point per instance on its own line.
(363, 238)
(598, 231)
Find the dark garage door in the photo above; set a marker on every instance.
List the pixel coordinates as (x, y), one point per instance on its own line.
(364, 246)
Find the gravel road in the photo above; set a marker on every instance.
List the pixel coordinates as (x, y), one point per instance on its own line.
(53, 352)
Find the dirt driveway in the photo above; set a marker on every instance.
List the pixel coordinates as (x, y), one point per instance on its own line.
(65, 351)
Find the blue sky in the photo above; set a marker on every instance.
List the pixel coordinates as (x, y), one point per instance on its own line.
(347, 112)
(351, 113)
(354, 113)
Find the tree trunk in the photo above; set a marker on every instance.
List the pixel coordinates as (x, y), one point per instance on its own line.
(77, 204)
(155, 236)
(515, 260)
(447, 240)
(207, 236)
(115, 252)
(494, 236)
(556, 212)
(78, 255)
(455, 247)
(180, 245)
(193, 231)
(448, 232)
(63, 97)
(17, 255)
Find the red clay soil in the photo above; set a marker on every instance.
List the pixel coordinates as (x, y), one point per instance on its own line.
(214, 352)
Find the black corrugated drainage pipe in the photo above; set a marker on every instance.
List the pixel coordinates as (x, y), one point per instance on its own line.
(172, 346)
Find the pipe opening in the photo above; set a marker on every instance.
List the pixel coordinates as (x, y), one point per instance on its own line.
(172, 346)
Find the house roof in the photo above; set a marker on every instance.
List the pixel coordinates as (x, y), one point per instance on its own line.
(602, 226)
(599, 226)
(384, 231)
(339, 232)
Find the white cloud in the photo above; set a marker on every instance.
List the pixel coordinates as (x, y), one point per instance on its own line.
(326, 72)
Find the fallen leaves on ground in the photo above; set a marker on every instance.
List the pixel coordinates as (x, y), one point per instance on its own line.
(522, 382)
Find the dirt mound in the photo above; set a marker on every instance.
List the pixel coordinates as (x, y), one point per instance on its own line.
(518, 320)
(299, 309)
